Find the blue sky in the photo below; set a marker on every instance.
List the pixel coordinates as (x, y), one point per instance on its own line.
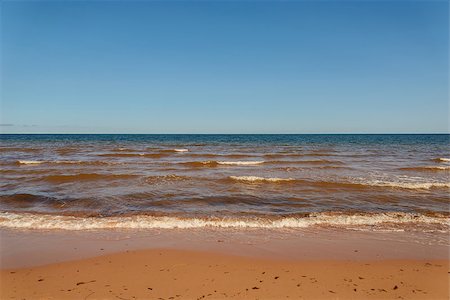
(224, 66)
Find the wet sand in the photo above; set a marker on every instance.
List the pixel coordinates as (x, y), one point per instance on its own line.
(183, 274)
(22, 249)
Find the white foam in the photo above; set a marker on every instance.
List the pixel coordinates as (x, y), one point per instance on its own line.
(409, 185)
(443, 159)
(430, 168)
(259, 179)
(70, 162)
(181, 150)
(36, 162)
(240, 163)
(30, 162)
(439, 168)
(46, 222)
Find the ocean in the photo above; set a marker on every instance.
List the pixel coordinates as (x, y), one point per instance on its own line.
(127, 181)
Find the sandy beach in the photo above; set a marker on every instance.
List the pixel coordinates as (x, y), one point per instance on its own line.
(205, 264)
(172, 274)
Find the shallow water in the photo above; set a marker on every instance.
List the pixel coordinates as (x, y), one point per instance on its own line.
(386, 182)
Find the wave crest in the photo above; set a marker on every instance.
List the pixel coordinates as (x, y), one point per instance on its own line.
(240, 163)
(260, 179)
(29, 162)
(306, 162)
(410, 185)
(65, 162)
(441, 159)
(45, 222)
(427, 168)
(174, 150)
(215, 163)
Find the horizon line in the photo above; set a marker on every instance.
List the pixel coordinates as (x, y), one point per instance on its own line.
(320, 133)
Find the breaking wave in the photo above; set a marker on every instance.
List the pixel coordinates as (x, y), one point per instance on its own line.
(240, 163)
(64, 162)
(351, 184)
(409, 185)
(427, 168)
(221, 156)
(306, 162)
(123, 149)
(52, 222)
(29, 162)
(147, 155)
(174, 150)
(215, 163)
(441, 159)
(260, 179)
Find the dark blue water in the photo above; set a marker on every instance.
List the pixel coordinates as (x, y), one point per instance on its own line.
(290, 139)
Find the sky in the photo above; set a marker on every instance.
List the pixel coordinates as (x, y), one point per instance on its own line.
(224, 66)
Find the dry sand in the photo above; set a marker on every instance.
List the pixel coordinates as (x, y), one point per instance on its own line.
(182, 274)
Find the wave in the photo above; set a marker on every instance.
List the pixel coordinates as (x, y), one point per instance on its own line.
(327, 219)
(364, 184)
(408, 185)
(427, 168)
(240, 163)
(63, 162)
(260, 179)
(122, 149)
(214, 163)
(148, 155)
(155, 155)
(441, 159)
(83, 162)
(200, 164)
(29, 162)
(351, 184)
(85, 177)
(305, 162)
(174, 150)
(24, 200)
(220, 157)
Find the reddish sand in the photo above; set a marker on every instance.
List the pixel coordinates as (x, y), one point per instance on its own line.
(172, 274)
(209, 264)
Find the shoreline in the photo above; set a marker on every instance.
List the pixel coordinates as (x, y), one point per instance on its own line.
(29, 248)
